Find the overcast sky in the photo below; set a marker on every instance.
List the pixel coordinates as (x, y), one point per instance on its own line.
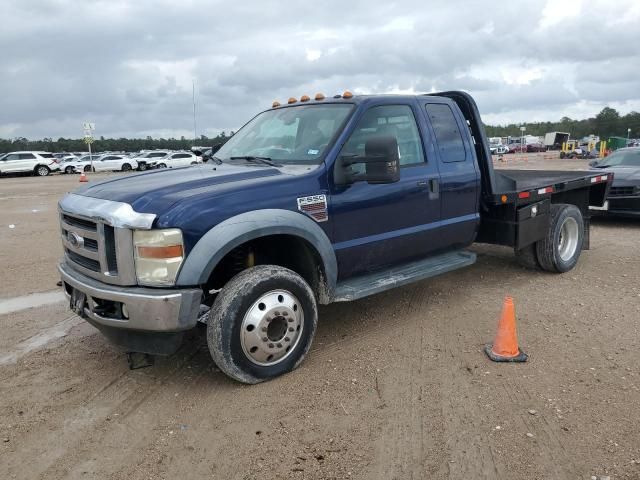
(128, 65)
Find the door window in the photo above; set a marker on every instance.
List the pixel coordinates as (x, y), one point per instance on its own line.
(27, 156)
(448, 137)
(13, 156)
(397, 121)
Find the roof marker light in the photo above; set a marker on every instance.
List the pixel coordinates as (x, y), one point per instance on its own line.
(319, 96)
(347, 94)
(291, 100)
(275, 104)
(304, 98)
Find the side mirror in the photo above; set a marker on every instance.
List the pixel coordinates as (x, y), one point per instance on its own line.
(381, 160)
(593, 163)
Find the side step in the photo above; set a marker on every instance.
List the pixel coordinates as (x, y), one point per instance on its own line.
(365, 285)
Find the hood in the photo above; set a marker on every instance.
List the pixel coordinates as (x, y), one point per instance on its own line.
(622, 174)
(158, 190)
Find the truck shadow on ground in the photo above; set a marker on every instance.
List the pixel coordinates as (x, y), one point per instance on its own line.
(616, 222)
(346, 325)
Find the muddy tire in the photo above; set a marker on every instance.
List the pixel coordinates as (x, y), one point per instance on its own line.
(262, 324)
(527, 257)
(560, 249)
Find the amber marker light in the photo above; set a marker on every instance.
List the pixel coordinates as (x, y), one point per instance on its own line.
(275, 104)
(319, 96)
(347, 94)
(292, 100)
(305, 98)
(171, 251)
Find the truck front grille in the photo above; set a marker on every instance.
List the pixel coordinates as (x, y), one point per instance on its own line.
(85, 262)
(97, 249)
(623, 191)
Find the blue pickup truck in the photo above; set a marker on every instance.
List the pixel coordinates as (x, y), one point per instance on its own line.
(315, 201)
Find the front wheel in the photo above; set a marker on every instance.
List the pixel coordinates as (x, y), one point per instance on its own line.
(142, 167)
(262, 324)
(560, 249)
(42, 171)
(69, 170)
(162, 165)
(87, 168)
(126, 167)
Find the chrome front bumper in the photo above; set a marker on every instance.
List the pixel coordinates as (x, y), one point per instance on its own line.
(148, 309)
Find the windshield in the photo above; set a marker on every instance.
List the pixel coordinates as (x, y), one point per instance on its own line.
(298, 134)
(621, 158)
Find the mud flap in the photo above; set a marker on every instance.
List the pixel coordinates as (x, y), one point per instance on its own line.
(77, 302)
(139, 360)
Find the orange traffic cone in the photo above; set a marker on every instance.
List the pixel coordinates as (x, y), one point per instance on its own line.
(505, 346)
(83, 177)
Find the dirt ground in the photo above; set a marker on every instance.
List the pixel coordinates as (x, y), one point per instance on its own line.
(396, 386)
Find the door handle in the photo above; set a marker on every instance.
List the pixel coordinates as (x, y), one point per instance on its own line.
(434, 188)
(422, 183)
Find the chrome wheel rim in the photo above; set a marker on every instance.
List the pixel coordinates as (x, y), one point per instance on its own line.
(568, 241)
(272, 328)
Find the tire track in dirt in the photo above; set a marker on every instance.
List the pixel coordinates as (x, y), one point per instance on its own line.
(411, 437)
(119, 397)
(466, 435)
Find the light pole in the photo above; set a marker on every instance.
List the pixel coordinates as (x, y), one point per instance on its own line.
(193, 97)
(628, 133)
(522, 130)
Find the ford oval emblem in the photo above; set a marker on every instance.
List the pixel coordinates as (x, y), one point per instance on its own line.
(75, 240)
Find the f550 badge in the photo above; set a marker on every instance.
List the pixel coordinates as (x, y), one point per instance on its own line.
(315, 206)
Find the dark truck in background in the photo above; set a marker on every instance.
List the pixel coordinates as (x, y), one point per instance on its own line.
(316, 201)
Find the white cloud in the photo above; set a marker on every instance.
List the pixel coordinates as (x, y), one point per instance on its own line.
(128, 64)
(313, 55)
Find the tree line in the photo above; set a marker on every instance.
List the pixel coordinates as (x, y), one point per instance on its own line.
(102, 144)
(608, 123)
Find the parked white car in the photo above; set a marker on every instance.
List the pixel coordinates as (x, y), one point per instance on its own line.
(178, 159)
(149, 159)
(77, 165)
(39, 163)
(110, 163)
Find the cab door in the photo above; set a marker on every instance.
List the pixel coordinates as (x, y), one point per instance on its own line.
(459, 175)
(379, 225)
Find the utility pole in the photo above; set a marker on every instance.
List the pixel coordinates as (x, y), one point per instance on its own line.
(88, 128)
(193, 95)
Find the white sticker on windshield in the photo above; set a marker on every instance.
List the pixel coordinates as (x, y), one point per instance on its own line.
(311, 151)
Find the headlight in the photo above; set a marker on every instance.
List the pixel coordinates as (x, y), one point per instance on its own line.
(158, 256)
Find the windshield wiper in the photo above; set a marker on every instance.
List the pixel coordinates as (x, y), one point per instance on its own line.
(261, 160)
(217, 160)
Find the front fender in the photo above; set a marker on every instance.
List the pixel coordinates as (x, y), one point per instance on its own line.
(235, 231)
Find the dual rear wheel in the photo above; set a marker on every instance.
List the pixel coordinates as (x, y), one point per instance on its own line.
(560, 249)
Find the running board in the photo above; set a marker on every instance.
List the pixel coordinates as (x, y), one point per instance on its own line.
(363, 286)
